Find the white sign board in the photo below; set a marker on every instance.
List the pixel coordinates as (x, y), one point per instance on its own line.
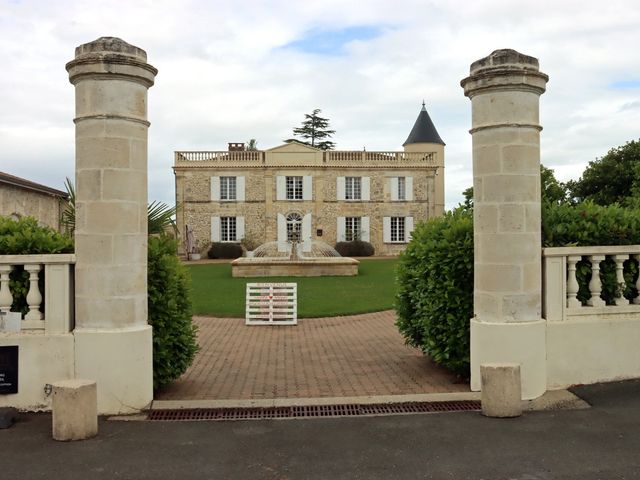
(272, 304)
(10, 321)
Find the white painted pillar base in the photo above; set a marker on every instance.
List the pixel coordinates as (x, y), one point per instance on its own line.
(523, 343)
(121, 362)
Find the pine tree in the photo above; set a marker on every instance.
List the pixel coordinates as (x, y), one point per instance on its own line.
(315, 131)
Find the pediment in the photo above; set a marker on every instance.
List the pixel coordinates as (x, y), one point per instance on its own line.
(294, 147)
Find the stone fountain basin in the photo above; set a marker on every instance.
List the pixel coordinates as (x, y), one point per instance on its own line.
(284, 267)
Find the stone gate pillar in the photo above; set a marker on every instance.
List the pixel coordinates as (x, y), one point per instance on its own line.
(112, 336)
(505, 90)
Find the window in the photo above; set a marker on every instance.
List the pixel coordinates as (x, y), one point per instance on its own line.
(402, 188)
(294, 226)
(352, 228)
(353, 188)
(397, 229)
(228, 189)
(294, 188)
(228, 229)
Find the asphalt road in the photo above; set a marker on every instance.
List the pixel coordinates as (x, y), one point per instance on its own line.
(602, 442)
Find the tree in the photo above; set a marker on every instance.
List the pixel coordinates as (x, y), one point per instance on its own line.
(612, 178)
(315, 131)
(552, 190)
(252, 145)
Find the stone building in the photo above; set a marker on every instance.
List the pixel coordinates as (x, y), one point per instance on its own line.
(21, 197)
(332, 196)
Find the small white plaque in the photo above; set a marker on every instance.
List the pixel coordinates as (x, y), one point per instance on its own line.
(10, 321)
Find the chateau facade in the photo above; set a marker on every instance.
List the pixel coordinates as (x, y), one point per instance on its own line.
(297, 190)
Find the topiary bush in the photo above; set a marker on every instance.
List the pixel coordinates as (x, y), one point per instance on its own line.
(434, 302)
(355, 248)
(174, 334)
(225, 250)
(22, 237)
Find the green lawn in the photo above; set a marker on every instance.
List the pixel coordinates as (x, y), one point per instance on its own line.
(216, 293)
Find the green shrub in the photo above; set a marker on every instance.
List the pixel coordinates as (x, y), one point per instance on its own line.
(22, 237)
(435, 289)
(225, 250)
(435, 275)
(174, 335)
(588, 224)
(355, 248)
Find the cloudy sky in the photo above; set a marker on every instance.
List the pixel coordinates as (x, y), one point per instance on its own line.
(234, 70)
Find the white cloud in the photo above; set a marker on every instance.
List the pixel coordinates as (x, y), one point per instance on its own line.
(223, 75)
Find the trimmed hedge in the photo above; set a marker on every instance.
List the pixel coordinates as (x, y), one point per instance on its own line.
(174, 334)
(435, 275)
(355, 248)
(25, 236)
(435, 289)
(225, 250)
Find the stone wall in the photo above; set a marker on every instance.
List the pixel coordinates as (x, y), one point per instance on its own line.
(44, 207)
(260, 208)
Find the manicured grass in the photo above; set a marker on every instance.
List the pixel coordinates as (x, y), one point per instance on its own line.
(216, 293)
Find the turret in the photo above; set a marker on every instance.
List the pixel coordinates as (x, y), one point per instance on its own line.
(425, 138)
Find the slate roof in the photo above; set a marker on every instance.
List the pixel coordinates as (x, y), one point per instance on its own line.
(423, 131)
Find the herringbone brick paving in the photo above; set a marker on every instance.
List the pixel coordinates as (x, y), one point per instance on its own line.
(320, 357)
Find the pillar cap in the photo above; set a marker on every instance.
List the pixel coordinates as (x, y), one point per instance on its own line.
(505, 69)
(109, 57)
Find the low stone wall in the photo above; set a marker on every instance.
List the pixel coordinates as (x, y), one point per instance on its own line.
(270, 267)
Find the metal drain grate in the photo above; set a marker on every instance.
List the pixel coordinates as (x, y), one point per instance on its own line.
(311, 411)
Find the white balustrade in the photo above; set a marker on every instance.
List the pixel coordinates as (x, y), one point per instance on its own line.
(357, 157)
(572, 282)
(56, 315)
(379, 158)
(595, 285)
(242, 156)
(561, 288)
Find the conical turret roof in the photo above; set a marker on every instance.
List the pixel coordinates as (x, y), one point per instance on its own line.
(423, 131)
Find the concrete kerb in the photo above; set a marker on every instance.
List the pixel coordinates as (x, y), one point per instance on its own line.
(552, 400)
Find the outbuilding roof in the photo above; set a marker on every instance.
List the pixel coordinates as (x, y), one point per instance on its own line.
(14, 181)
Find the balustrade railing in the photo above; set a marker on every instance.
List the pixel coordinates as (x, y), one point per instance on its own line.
(50, 290)
(245, 156)
(345, 156)
(584, 280)
(336, 157)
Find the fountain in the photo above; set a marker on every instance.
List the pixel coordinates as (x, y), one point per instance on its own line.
(311, 258)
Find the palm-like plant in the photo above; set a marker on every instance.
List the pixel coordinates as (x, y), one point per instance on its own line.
(68, 217)
(160, 218)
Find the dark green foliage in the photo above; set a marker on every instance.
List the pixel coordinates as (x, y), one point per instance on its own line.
(435, 289)
(24, 236)
(174, 335)
(315, 131)
(355, 248)
(589, 224)
(612, 178)
(552, 191)
(435, 299)
(225, 250)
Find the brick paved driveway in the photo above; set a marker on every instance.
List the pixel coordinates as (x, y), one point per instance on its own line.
(320, 357)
